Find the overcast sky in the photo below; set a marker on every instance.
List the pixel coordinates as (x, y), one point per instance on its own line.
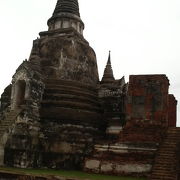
(143, 35)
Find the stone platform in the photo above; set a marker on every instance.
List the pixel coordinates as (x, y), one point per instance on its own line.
(122, 158)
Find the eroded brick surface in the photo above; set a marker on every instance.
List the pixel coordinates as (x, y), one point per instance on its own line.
(172, 114)
(147, 108)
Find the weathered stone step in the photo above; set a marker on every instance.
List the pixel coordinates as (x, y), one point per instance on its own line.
(70, 84)
(163, 170)
(61, 115)
(168, 147)
(69, 92)
(88, 123)
(166, 157)
(173, 137)
(8, 115)
(11, 114)
(174, 132)
(177, 130)
(162, 174)
(8, 120)
(60, 97)
(162, 165)
(55, 86)
(172, 144)
(162, 177)
(167, 154)
(4, 126)
(69, 104)
(60, 82)
(166, 151)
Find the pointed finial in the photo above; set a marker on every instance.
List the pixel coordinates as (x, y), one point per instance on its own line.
(109, 58)
(108, 76)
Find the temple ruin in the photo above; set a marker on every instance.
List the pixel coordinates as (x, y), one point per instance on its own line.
(56, 113)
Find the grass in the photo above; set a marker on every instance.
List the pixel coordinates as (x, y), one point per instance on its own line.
(69, 174)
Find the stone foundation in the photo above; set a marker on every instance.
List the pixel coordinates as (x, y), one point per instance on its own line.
(122, 159)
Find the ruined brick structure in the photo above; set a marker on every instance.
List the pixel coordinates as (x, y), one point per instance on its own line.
(57, 114)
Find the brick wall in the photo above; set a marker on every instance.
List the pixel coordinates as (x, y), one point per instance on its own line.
(147, 108)
(172, 115)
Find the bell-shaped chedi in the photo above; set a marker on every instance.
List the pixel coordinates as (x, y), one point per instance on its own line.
(62, 50)
(59, 116)
(69, 67)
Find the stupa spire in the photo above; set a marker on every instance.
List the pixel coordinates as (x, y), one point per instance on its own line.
(109, 58)
(67, 6)
(108, 76)
(66, 15)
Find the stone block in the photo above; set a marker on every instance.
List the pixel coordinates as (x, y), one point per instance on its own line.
(133, 168)
(62, 147)
(114, 130)
(107, 167)
(92, 165)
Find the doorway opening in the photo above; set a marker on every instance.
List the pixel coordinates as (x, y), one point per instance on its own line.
(20, 90)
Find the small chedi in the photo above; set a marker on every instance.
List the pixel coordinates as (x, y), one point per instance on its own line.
(56, 113)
